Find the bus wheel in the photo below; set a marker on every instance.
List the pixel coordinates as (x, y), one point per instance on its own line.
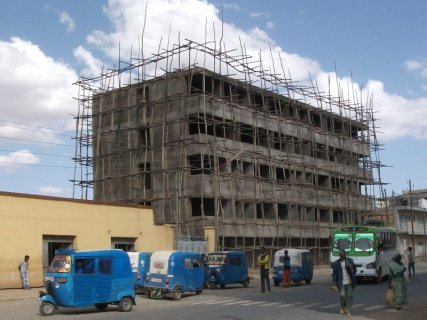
(380, 276)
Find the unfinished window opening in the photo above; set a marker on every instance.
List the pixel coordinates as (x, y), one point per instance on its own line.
(142, 94)
(338, 126)
(324, 215)
(201, 164)
(238, 208)
(262, 137)
(309, 178)
(226, 209)
(248, 210)
(235, 168)
(222, 165)
(197, 84)
(323, 181)
(264, 171)
(280, 175)
(316, 120)
(248, 169)
(196, 207)
(257, 101)
(282, 211)
(246, 133)
(338, 217)
(331, 153)
(304, 116)
(227, 91)
(310, 214)
(145, 172)
(194, 125)
(144, 137)
(321, 151)
(279, 141)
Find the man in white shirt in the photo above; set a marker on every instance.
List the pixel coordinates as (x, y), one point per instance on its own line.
(343, 276)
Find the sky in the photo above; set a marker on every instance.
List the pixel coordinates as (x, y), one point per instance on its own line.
(46, 45)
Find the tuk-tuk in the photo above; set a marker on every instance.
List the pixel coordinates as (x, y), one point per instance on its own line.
(173, 273)
(226, 267)
(140, 264)
(84, 278)
(301, 266)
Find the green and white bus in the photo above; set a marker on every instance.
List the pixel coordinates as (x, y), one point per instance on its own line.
(371, 248)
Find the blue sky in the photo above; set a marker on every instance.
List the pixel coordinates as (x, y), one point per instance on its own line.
(45, 45)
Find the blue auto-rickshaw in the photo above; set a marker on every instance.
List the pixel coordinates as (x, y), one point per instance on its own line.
(173, 273)
(301, 266)
(140, 264)
(226, 267)
(84, 278)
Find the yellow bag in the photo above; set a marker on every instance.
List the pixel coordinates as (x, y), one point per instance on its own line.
(389, 297)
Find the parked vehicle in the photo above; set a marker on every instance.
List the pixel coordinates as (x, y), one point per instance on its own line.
(174, 273)
(140, 264)
(301, 266)
(84, 278)
(226, 267)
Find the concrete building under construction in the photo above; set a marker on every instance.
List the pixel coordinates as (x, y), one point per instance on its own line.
(263, 160)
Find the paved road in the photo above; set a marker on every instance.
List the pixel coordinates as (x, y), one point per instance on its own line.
(314, 301)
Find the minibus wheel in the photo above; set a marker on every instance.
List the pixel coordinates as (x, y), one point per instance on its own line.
(47, 308)
(125, 305)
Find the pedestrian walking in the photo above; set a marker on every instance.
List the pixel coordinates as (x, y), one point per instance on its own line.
(411, 262)
(264, 269)
(286, 281)
(23, 270)
(397, 281)
(343, 275)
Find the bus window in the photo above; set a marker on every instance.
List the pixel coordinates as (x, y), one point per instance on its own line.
(342, 241)
(364, 242)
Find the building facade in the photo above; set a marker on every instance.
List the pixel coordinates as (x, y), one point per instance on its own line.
(37, 226)
(410, 212)
(209, 149)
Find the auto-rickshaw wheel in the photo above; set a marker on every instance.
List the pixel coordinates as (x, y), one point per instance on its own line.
(246, 283)
(47, 308)
(125, 305)
(177, 294)
(199, 291)
(222, 286)
(101, 306)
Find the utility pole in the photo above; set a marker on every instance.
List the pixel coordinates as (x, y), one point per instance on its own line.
(412, 216)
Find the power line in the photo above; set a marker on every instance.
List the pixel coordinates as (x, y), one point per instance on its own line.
(36, 165)
(31, 126)
(40, 153)
(37, 141)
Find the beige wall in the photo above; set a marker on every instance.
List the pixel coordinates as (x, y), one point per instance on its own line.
(25, 219)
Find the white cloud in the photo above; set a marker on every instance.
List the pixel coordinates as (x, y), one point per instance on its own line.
(92, 65)
(269, 25)
(418, 65)
(259, 15)
(50, 190)
(37, 90)
(17, 160)
(169, 20)
(66, 20)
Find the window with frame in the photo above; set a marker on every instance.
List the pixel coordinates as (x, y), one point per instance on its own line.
(105, 266)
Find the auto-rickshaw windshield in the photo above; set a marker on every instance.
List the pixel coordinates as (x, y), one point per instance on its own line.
(61, 263)
(216, 259)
